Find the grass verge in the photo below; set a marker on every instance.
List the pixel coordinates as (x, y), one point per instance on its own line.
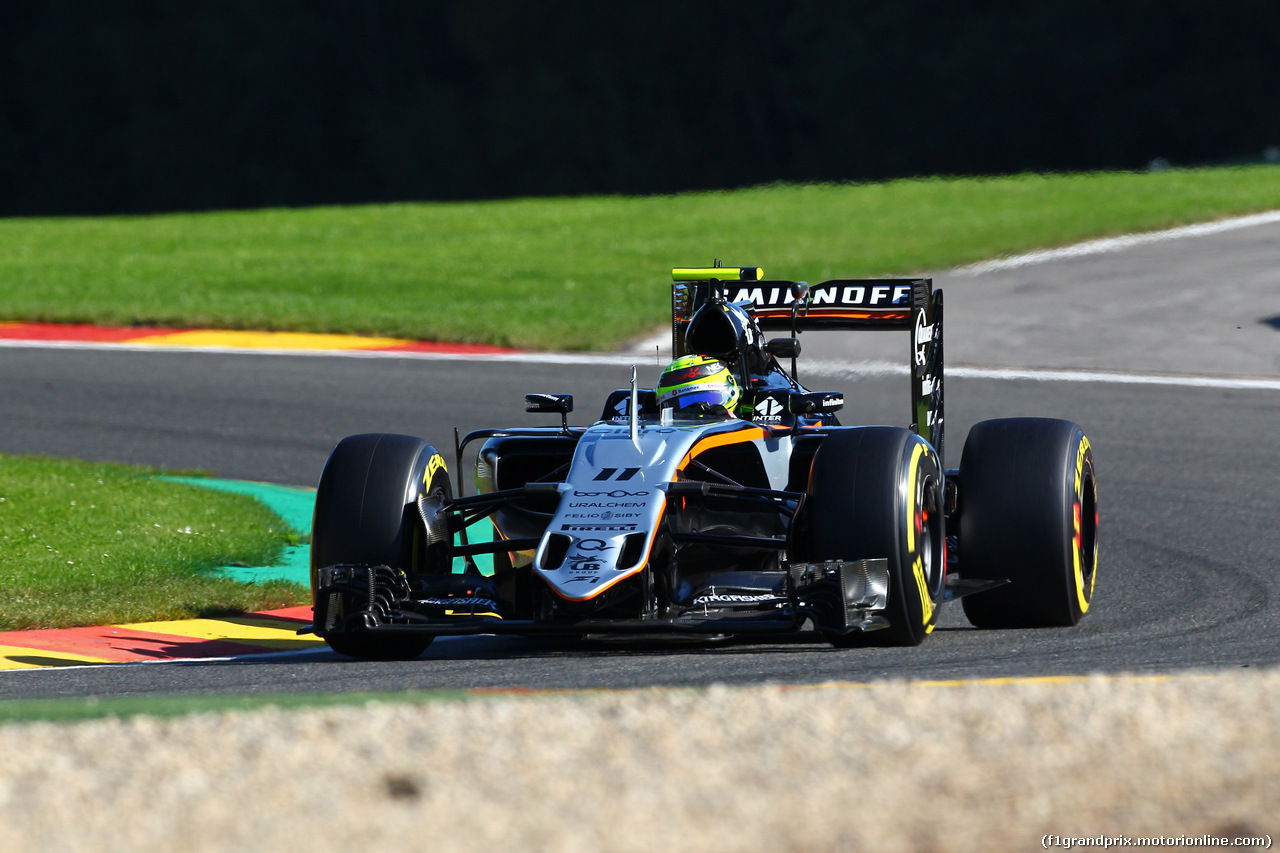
(71, 710)
(577, 273)
(86, 543)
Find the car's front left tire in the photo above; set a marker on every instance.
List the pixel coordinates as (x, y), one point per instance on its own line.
(876, 492)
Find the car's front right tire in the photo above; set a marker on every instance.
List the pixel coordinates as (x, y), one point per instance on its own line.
(366, 513)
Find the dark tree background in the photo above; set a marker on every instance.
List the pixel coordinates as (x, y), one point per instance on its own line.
(150, 105)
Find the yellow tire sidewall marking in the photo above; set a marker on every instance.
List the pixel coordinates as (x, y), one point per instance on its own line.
(917, 564)
(1082, 597)
(434, 464)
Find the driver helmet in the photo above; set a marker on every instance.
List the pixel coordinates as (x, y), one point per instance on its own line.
(697, 383)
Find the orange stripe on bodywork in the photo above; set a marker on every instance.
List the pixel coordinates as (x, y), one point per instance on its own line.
(739, 437)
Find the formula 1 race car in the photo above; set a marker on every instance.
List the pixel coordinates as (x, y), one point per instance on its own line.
(728, 500)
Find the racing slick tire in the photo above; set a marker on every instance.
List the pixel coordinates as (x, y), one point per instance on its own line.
(877, 492)
(1028, 513)
(366, 513)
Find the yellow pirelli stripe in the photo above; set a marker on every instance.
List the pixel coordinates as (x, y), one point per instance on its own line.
(434, 464)
(1082, 596)
(917, 566)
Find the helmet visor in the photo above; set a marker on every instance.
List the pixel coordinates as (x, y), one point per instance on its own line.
(710, 395)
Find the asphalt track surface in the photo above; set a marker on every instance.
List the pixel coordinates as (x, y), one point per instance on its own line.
(1189, 572)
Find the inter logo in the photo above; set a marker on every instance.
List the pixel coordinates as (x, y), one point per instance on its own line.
(768, 410)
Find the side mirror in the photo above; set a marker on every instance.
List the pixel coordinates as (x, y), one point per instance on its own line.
(561, 403)
(783, 347)
(821, 403)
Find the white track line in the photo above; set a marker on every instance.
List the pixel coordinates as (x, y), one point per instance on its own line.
(1245, 382)
(1113, 244)
(866, 369)
(834, 369)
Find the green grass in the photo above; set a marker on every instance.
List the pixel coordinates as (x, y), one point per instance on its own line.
(577, 273)
(94, 543)
(88, 708)
(73, 709)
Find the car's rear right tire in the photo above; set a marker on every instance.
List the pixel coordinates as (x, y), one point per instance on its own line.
(1029, 514)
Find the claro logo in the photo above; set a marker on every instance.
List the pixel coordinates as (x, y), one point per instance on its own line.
(616, 493)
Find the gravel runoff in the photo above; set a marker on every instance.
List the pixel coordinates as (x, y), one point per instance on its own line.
(894, 766)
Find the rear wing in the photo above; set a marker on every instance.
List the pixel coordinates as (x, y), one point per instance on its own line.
(907, 304)
(840, 304)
